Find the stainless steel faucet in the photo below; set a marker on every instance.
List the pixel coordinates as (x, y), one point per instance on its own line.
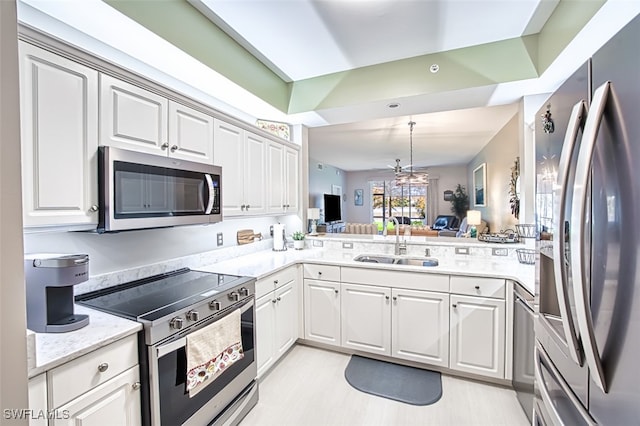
(400, 248)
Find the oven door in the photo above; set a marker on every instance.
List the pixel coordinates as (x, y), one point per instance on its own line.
(170, 401)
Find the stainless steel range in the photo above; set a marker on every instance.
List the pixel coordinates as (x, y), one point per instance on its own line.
(170, 306)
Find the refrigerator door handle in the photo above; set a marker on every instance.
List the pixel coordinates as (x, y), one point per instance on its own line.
(544, 392)
(560, 272)
(578, 243)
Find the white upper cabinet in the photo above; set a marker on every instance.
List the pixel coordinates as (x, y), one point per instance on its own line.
(132, 118)
(242, 156)
(59, 131)
(282, 178)
(136, 119)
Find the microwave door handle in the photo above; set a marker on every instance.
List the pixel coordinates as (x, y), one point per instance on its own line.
(578, 242)
(559, 267)
(540, 355)
(212, 193)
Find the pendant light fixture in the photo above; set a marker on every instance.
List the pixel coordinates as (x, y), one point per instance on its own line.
(411, 177)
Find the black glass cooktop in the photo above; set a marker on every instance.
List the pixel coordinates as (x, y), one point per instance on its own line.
(154, 297)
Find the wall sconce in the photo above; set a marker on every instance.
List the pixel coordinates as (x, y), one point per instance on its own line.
(314, 215)
(473, 218)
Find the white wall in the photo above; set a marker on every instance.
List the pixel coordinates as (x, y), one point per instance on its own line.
(13, 353)
(131, 249)
(448, 178)
(499, 155)
(321, 177)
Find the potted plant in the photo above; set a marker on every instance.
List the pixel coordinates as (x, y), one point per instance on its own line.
(460, 202)
(298, 240)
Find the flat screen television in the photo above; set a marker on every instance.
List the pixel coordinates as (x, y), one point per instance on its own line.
(332, 208)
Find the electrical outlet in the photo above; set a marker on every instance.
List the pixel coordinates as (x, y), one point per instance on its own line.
(347, 245)
(499, 252)
(462, 250)
(318, 243)
(220, 241)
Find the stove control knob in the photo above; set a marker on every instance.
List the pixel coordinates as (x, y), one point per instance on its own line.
(244, 291)
(215, 305)
(176, 323)
(193, 316)
(234, 296)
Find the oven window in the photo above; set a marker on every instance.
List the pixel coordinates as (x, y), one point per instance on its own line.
(150, 191)
(175, 405)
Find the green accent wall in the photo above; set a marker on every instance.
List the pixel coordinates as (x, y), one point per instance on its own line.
(508, 60)
(185, 27)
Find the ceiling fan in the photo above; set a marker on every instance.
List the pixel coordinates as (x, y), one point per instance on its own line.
(398, 168)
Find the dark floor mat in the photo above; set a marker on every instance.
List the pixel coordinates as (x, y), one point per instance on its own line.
(398, 382)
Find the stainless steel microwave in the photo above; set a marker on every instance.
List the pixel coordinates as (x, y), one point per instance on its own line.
(139, 191)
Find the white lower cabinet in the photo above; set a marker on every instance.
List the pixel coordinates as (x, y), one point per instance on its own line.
(115, 402)
(366, 318)
(478, 335)
(99, 388)
(322, 311)
(420, 326)
(277, 318)
(407, 324)
(38, 400)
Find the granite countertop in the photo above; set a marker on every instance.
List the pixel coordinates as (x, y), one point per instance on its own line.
(54, 349)
(264, 263)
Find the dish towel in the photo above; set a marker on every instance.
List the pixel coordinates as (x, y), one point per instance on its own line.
(212, 350)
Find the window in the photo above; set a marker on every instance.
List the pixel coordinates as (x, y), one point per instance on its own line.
(388, 200)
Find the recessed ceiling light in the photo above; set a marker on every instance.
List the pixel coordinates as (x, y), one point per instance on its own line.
(393, 105)
(434, 68)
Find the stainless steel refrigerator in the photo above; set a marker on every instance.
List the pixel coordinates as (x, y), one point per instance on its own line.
(588, 216)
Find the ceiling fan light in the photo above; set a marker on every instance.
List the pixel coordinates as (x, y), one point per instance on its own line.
(411, 177)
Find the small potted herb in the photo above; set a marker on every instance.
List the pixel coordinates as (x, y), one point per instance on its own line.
(298, 240)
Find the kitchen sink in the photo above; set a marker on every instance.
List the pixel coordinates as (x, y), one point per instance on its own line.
(416, 261)
(374, 258)
(397, 260)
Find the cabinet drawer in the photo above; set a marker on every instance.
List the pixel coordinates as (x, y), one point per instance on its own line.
(322, 272)
(478, 286)
(80, 375)
(395, 278)
(276, 280)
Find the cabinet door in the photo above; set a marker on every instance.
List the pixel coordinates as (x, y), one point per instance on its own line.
(322, 311)
(132, 117)
(255, 174)
(38, 399)
(275, 178)
(366, 318)
(292, 180)
(228, 152)
(190, 134)
(477, 335)
(265, 332)
(420, 326)
(59, 125)
(286, 332)
(115, 402)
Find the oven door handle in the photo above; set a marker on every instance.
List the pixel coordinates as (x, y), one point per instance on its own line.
(212, 193)
(169, 347)
(559, 268)
(544, 392)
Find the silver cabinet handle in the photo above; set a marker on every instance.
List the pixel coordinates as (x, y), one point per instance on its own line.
(386, 297)
(164, 146)
(212, 193)
(336, 291)
(563, 186)
(136, 386)
(174, 148)
(103, 367)
(578, 239)
(455, 305)
(278, 298)
(395, 298)
(93, 208)
(477, 287)
(273, 300)
(242, 207)
(248, 206)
